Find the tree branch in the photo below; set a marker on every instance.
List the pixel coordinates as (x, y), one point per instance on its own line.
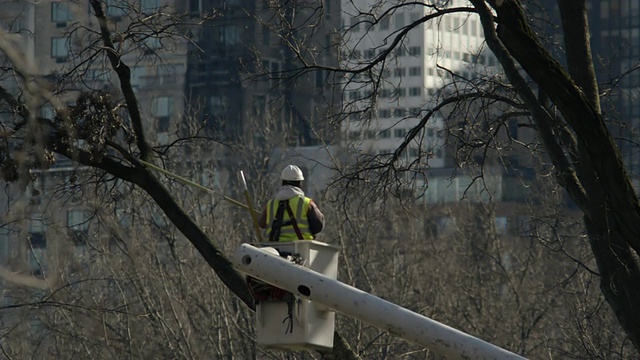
(124, 75)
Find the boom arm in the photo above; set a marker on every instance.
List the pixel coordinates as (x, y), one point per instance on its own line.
(356, 303)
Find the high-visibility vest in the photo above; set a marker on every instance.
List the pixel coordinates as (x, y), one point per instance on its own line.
(300, 207)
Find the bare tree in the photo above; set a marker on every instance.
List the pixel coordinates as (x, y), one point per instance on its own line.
(560, 106)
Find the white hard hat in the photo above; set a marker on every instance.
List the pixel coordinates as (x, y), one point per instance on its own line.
(292, 173)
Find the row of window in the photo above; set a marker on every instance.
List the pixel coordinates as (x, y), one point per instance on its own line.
(62, 11)
(481, 59)
(398, 93)
(389, 133)
(463, 25)
(369, 54)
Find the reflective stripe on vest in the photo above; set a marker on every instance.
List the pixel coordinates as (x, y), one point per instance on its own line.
(300, 207)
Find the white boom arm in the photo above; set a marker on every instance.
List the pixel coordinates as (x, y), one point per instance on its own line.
(356, 303)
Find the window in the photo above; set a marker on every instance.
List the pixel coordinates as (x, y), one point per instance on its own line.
(415, 71)
(415, 111)
(370, 54)
(78, 225)
(59, 47)
(149, 6)
(195, 6)
(399, 20)
(385, 93)
(414, 16)
(218, 104)
(266, 36)
(414, 50)
(320, 77)
(37, 247)
(161, 108)
(327, 9)
(398, 112)
(384, 23)
(385, 134)
(385, 113)
(60, 12)
(400, 51)
(399, 72)
(231, 35)
(399, 132)
(115, 8)
(401, 92)
(355, 23)
(415, 91)
(151, 44)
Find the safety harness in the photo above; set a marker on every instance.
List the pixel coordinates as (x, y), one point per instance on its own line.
(277, 221)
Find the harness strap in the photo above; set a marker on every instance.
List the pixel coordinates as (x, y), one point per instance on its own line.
(294, 223)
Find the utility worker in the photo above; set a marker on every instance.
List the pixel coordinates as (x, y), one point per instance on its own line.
(290, 215)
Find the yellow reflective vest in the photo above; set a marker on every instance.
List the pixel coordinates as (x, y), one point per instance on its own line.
(300, 208)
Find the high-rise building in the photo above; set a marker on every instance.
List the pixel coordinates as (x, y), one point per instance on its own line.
(409, 65)
(247, 73)
(222, 63)
(614, 28)
(615, 42)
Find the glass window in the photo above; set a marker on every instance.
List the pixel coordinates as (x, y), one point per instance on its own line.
(115, 8)
(355, 23)
(59, 47)
(78, 224)
(414, 50)
(415, 91)
(384, 23)
(415, 71)
(400, 51)
(195, 6)
(161, 106)
(231, 35)
(60, 12)
(399, 20)
(149, 6)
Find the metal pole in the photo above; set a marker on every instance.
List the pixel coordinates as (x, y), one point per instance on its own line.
(189, 182)
(253, 215)
(356, 303)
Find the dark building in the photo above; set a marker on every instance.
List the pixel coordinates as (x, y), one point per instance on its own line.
(615, 41)
(615, 44)
(245, 71)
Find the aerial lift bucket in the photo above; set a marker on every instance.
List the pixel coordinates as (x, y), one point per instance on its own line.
(290, 322)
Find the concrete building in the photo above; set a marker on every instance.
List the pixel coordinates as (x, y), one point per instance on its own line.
(220, 67)
(393, 96)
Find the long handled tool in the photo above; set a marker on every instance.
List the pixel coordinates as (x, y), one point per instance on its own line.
(189, 182)
(253, 215)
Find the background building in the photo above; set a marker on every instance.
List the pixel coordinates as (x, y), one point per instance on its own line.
(246, 72)
(221, 68)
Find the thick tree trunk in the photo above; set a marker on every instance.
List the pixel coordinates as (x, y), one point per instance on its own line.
(610, 204)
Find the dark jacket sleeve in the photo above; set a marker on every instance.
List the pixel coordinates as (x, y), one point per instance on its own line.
(262, 220)
(316, 218)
